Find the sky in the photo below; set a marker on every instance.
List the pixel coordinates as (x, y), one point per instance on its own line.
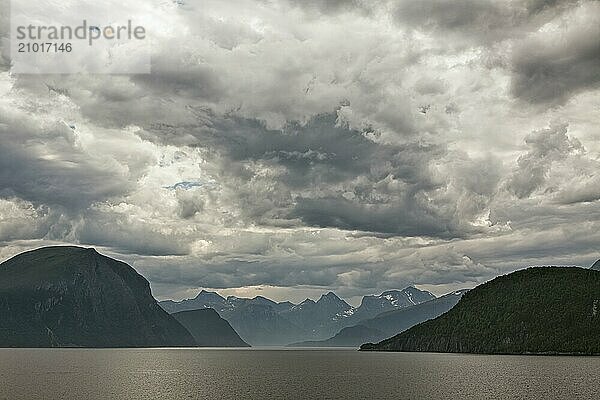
(288, 148)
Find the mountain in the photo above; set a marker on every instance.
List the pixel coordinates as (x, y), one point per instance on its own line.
(331, 314)
(541, 310)
(321, 316)
(74, 297)
(393, 322)
(209, 329)
(271, 323)
(391, 300)
(261, 325)
(596, 265)
(388, 323)
(256, 320)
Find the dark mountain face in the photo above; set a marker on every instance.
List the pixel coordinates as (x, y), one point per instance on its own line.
(72, 296)
(389, 323)
(596, 265)
(209, 329)
(537, 310)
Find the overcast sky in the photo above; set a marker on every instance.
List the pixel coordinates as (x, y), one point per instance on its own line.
(289, 147)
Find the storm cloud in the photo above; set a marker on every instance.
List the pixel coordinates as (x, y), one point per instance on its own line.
(294, 147)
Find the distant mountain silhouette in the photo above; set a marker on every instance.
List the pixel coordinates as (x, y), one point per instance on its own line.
(74, 297)
(256, 320)
(388, 323)
(261, 325)
(261, 321)
(543, 310)
(209, 329)
(596, 265)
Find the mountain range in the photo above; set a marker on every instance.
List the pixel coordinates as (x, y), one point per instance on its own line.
(261, 321)
(388, 323)
(541, 310)
(75, 297)
(67, 296)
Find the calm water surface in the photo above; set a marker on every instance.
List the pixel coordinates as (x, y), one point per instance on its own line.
(175, 374)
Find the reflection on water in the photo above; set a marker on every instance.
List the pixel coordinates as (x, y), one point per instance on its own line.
(289, 374)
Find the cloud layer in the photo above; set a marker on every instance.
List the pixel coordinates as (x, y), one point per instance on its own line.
(292, 147)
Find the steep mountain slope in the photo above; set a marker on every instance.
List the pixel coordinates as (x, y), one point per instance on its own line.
(537, 310)
(73, 296)
(596, 265)
(389, 323)
(209, 329)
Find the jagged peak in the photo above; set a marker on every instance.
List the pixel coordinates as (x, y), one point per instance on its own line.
(332, 297)
(206, 293)
(329, 295)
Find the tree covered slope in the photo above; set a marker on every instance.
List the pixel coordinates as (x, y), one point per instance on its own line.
(537, 310)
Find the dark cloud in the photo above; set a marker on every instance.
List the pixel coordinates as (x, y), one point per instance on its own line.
(538, 6)
(482, 20)
(333, 6)
(284, 144)
(45, 166)
(549, 72)
(321, 150)
(334, 176)
(408, 216)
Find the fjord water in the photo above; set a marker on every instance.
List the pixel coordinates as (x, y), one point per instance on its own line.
(175, 374)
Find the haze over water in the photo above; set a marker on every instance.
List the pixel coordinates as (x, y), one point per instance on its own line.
(289, 374)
